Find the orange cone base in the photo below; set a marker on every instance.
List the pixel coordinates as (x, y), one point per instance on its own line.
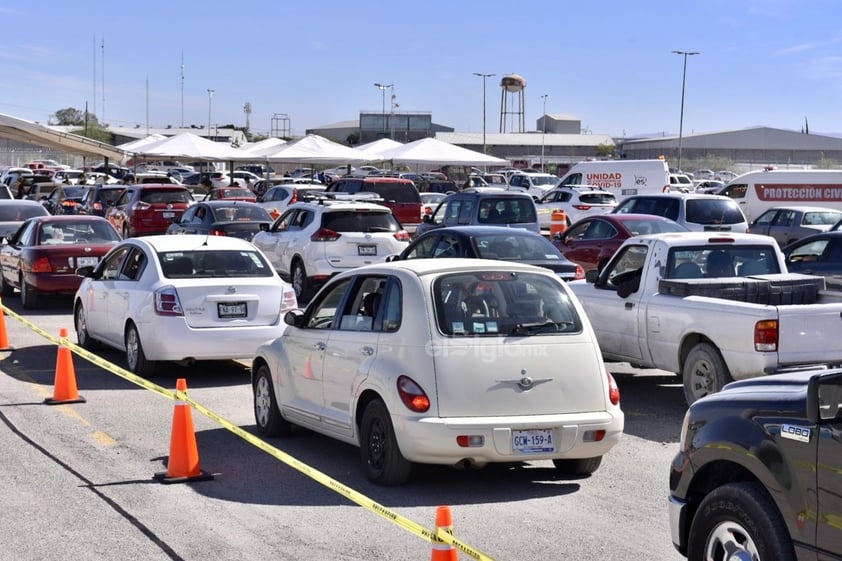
(162, 477)
(52, 401)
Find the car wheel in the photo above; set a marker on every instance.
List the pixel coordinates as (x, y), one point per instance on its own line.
(135, 357)
(704, 372)
(126, 233)
(28, 295)
(299, 280)
(266, 411)
(739, 521)
(578, 466)
(382, 459)
(5, 288)
(82, 335)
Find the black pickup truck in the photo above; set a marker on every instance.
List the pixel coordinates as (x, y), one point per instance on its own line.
(759, 472)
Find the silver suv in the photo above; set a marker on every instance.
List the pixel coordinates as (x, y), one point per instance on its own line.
(696, 212)
(484, 206)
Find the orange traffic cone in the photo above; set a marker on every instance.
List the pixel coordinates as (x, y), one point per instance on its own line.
(183, 464)
(558, 222)
(444, 551)
(64, 389)
(4, 337)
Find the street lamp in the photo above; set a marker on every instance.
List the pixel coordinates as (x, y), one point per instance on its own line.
(210, 98)
(483, 76)
(543, 129)
(681, 122)
(383, 88)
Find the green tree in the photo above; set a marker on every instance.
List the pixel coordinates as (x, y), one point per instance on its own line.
(94, 131)
(71, 116)
(605, 150)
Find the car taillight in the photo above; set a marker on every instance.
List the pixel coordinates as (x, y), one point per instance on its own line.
(582, 207)
(766, 336)
(613, 389)
(288, 300)
(167, 303)
(325, 235)
(402, 236)
(41, 265)
(412, 395)
(218, 233)
(580, 273)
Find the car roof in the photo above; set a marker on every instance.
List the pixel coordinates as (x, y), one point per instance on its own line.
(630, 216)
(68, 218)
(227, 203)
(191, 242)
(674, 195)
(420, 267)
(19, 202)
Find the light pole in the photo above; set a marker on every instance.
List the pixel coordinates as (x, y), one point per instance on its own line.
(543, 130)
(681, 121)
(483, 76)
(210, 98)
(383, 88)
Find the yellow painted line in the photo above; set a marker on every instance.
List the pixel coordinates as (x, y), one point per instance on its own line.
(439, 535)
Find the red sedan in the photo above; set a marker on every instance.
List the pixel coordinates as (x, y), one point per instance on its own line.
(592, 241)
(43, 255)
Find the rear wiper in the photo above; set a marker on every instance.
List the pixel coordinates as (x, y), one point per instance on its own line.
(538, 326)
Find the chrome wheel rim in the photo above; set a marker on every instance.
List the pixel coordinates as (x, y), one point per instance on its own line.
(702, 378)
(262, 401)
(729, 541)
(132, 344)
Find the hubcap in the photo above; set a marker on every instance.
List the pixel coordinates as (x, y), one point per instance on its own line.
(376, 444)
(730, 542)
(702, 378)
(262, 401)
(131, 349)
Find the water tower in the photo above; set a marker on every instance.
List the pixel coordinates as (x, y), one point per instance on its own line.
(513, 85)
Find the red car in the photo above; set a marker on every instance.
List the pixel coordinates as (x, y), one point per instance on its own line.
(144, 210)
(44, 253)
(592, 241)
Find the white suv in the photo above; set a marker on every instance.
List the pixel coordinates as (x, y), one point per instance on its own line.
(312, 241)
(577, 202)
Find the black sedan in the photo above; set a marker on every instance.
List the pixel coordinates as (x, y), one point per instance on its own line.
(239, 219)
(492, 242)
(819, 254)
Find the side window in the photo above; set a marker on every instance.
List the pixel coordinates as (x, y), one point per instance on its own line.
(767, 218)
(124, 198)
(110, 268)
(284, 222)
(735, 191)
(447, 246)
(452, 214)
(133, 265)
(627, 266)
(393, 312)
(189, 215)
(323, 312)
(423, 249)
(574, 179)
(361, 311)
(466, 213)
(785, 218)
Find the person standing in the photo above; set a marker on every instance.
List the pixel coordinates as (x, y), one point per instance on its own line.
(20, 188)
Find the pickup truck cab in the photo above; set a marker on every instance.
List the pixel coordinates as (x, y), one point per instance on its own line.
(711, 307)
(757, 471)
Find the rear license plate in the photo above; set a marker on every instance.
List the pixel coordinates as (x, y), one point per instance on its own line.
(86, 261)
(367, 249)
(169, 214)
(533, 441)
(232, 310)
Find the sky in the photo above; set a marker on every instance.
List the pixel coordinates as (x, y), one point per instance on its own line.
(775, 63)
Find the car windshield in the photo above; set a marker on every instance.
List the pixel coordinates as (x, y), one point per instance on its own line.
(713, 211)
(357, 220)
(76, 232)
(19, 213)
(506, 210)
(496, 303)
(516, 248)
(213, 263)
(241, 213)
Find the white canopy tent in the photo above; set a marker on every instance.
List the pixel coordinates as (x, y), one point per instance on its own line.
(315, 149)
(193, 147)
(266, 146)
(378, 146)
(146, 142)
(432, 151)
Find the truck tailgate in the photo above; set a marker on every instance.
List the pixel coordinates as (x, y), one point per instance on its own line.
(809, 334)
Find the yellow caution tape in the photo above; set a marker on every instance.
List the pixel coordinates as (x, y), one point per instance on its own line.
(439, 535)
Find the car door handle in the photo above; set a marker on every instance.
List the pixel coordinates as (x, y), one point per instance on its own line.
(629, 305)
(368, 351)
(320, 346)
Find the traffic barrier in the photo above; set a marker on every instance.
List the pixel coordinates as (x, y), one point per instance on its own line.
(443, 551)
(4, 336)
(183, 464)
(558, 222)
(64, 388)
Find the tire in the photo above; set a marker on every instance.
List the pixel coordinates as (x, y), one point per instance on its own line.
(581, 466)
(704, 372)
(267, 415)
(135, 357)
(28, 295)
(5, 288)
(83, 338)
(382, 459)
(739, 518)
(299, 280)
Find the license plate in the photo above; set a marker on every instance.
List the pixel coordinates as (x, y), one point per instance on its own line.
(169, 214)
(86, 261)
(232, 310)
(367, 249)
(533, 441)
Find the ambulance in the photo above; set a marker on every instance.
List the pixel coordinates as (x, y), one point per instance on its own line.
(758, 191)
(624, 178)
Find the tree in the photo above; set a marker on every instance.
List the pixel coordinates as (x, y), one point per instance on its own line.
(70, 117)
(604, 150)
(94, 131)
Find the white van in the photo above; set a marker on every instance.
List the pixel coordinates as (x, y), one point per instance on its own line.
(758, 191)
(624, 178)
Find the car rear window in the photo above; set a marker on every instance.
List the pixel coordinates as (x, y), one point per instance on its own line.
(213, 263)
(109, 195)
(598, 198)
(360, 221)
(506, 210)
(659, 206)
(713, 211)
(496, 303)
(394, 192)
(152, 196)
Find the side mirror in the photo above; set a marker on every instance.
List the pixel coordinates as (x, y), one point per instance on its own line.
(427, 219)
(264, 227)
(87, 271)
(295, 318)
(591, 275)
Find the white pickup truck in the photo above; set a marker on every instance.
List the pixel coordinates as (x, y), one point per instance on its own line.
(712, 308)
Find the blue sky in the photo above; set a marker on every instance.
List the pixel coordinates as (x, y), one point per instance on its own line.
(610, 64)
